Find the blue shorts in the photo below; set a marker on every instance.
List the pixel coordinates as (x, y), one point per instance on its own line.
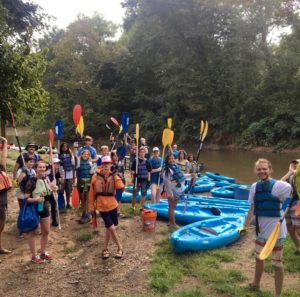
(110, 217)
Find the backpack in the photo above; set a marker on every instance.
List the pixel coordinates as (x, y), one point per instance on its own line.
(5, 182)
(28, 219)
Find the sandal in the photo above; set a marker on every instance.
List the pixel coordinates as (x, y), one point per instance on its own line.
(105, 254)
(119, 254)
(4, 252)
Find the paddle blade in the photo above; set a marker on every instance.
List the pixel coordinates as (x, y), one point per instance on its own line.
(137, 133)
(205, 131)
(297, 210)
(169, 121)
(51, 137)
(125, 121)
(121, 152)
(167, 137)
(114, 120)
(94, 222)
(77, 111)
(201, 128)
(75, 198)
(270, 244)
(80, 127)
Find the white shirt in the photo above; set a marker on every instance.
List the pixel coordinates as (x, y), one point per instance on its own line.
(266, 225)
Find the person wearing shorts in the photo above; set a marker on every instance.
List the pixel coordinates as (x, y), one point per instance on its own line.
(143, 177)
(101, 198)
(266, 197)
(39, 190)
(155, 179)
(174, 180)
(293, 221)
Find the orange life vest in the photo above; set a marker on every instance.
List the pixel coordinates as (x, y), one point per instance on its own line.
(5, 182)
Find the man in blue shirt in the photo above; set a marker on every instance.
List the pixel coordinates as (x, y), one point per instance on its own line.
(88, 141)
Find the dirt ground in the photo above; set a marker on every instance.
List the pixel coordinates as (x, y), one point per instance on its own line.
(81, 271)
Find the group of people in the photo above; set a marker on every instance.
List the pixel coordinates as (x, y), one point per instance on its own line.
(101, 182)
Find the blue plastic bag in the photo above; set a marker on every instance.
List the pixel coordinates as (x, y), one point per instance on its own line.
(28, 219)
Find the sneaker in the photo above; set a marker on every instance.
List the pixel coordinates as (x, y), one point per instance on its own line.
(46, 257)
(37, 260)
(54, 224)
(84, 220)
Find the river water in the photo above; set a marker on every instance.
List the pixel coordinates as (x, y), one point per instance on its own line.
(236, 163)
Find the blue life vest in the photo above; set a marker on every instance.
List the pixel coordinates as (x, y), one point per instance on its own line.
(177, 174)
(66, 161)
(265, 203)
(83, 171)
(142, 169)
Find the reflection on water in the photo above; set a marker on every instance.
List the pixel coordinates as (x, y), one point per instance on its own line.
(234, 163)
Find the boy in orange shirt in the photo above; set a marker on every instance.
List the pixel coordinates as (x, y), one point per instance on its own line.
(102, 198)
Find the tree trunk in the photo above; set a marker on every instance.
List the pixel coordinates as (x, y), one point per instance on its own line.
(3, 126)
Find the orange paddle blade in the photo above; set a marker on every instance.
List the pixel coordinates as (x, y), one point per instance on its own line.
(80, 127)
(297, 210)
(270, 244)
(75, 198)
(51, 137)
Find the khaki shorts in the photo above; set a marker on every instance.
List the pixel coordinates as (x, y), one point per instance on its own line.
(277, 253)
(291, 219)
(3, 209)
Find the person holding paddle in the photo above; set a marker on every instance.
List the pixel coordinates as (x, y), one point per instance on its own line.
(266, 197)
(174, 185)
(292, 220)
(5, 186)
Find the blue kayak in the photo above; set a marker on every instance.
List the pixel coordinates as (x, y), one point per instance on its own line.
(219, 177)
(219, 200)
(127, 196)
(238, 192)
(199, 188)
(207, 235)
(195, 213)
(213, 203)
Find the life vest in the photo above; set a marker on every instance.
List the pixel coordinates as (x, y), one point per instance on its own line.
(155, 162)
(36, 158)
(177, 174)
(83, 171)
(66, 161)
(26, 178)
(265, 203)
(142, 169)
(104, 186)
(5, 182)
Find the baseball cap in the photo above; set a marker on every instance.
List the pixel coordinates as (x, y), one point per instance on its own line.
(155, 149)
(56, 160)
(106, 159)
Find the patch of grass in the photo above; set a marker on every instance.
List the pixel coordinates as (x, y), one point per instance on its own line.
(188, 293)
(290, 293)
(84, 236)
(70, 249)
(128, 212)
(12, 154)
(10, 220)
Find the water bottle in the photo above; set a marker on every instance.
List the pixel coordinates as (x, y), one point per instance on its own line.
(40, 206)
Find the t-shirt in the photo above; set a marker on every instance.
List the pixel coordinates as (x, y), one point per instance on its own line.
(155, 163)
(91, 149)
(36, 157)
(266, 225)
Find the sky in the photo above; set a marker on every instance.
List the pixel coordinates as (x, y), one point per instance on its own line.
(66, 11)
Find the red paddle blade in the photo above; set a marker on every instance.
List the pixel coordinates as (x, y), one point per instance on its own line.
(75, 198)
(94, 222)
(51, 137)
(77, 111)
(114, 121)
